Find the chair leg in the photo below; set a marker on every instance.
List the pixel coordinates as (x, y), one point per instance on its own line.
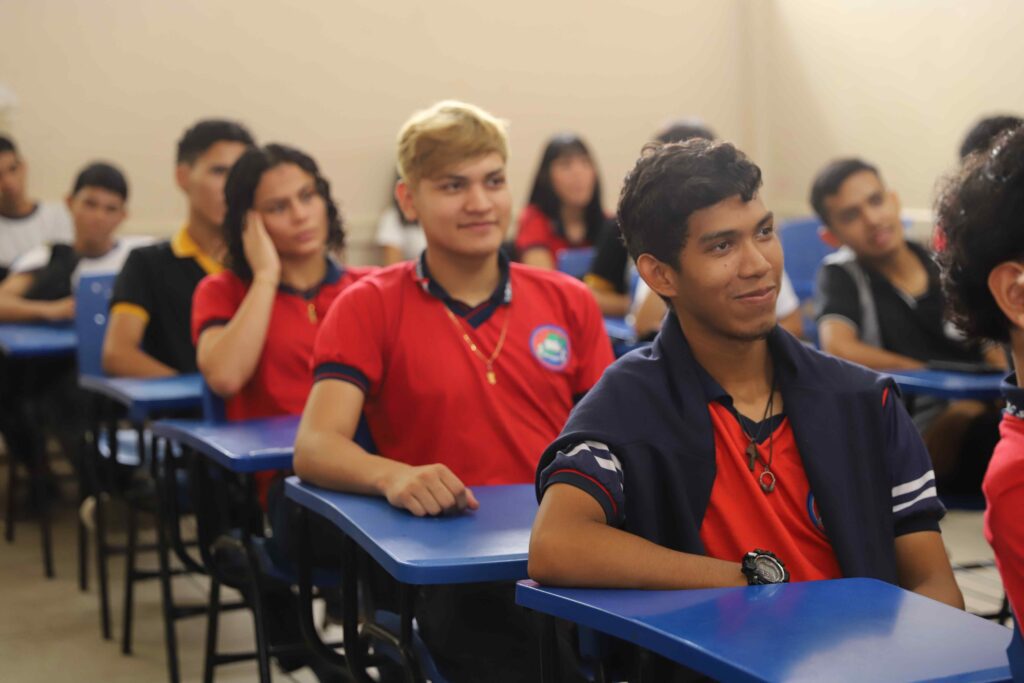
(129, 580)
(262, 646)
(102, 556)
(38, 482)
(212, 622)
(83, 553)
(166, 593)
(12, 488)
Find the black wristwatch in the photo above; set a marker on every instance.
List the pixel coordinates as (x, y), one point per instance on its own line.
(763, 567)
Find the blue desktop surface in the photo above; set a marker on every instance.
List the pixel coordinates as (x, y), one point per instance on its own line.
(245, 446)
(949, 385)
(488, 544)
(143, 397)
(843, 630)
(37, 340)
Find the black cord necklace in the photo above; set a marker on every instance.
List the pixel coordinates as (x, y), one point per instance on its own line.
(767, 479)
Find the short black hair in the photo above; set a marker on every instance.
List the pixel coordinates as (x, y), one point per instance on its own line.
(982, 133)
(543, 196)
(684, 129)
(206, 133)
(831, 178)
(7, 145)
(669, 183)
(103, 175)
(981, 211)
(240, 192)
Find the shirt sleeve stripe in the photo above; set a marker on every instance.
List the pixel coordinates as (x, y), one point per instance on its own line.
(615, 508)
(343, 372)
(130, 309)
(927, 493)
(914, 485)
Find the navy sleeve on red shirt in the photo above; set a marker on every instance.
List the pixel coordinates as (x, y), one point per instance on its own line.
(590, 466)
(350, 344)
(915, 502)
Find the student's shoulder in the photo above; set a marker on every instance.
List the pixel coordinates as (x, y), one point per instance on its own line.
(378, 284)
(150, 253)
(352, 274)
(547, 281)
(531, 213)
(826, 372)
(223, 282)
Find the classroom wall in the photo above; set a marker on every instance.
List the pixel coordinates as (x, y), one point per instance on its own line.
(898, 82)
(120, 80)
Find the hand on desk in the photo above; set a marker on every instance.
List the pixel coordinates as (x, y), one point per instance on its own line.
(61, 309)
(429, 490)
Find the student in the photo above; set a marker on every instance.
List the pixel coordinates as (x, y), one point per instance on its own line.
(24, 222)
(610, 276)
(464, 365)
(151, 308)
(255, 323)
(565, 210)
(879, 303)
(398, 238)
(42, 280)
(728, 448)
(982, 211)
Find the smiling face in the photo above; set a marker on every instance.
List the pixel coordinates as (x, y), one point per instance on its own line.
(729, 271)
(865, 216)
(464, 209)
(96, 212)
(293, 211)
(573, 178)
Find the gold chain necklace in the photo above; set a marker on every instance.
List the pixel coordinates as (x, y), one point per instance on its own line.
(488, 362)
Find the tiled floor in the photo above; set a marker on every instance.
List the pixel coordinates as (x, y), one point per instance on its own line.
(49, 630)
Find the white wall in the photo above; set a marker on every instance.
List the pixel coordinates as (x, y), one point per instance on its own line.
(121, 80)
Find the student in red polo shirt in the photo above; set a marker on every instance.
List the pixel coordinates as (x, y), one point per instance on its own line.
(982, 217)
(465, 366)
(254, 325)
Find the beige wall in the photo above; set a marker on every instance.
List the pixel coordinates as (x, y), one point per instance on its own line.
(120, 80)
(896, 81)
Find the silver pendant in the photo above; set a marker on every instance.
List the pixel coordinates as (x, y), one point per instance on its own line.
(767, 481)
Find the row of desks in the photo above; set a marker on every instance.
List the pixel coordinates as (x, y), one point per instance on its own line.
(852, 629)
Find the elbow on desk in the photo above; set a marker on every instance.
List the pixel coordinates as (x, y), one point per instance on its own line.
(546, 562)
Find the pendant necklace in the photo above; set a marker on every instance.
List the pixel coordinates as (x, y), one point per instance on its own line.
(766, 480)
(492, 379)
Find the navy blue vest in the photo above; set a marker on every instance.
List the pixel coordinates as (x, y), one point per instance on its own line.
(650, 409)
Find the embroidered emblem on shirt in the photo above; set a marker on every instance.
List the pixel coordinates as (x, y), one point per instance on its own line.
(550, 346)
(813, 513)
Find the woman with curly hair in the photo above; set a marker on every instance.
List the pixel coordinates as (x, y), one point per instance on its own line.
(981, 210)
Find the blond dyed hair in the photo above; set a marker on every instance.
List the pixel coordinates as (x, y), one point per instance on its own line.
(446, 133)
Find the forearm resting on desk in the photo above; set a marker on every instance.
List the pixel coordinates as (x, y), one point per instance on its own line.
(840, 339)
(571, 545)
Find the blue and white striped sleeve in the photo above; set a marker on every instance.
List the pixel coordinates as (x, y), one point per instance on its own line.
(915, 502)
(592, 467)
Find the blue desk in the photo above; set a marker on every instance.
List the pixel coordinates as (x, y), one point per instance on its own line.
(37, 340)
(488, 544)
(244, 447)
(850, 629)
(949, 385)
(143, 397)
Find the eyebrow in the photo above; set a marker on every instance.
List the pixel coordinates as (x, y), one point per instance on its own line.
(455, 176)
(734, 232)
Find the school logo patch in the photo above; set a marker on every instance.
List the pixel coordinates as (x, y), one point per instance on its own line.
(813, 513)
(550, 346)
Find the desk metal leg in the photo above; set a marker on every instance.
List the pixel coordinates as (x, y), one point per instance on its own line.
(355, 652)
(305, 574)
(160, 475)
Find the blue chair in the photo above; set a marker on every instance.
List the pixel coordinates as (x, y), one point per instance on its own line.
(804, 251)
(575, 262)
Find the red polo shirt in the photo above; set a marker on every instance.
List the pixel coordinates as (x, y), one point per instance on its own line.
(1004, 496)
(537, 230)
(428, 399)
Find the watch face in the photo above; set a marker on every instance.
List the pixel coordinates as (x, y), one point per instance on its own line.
(769, 569)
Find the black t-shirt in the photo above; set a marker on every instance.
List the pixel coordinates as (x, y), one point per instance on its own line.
(161, 283)
(611, 260)
(53, 281)
(910, 326)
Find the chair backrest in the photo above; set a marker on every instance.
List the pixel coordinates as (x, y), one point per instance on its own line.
(575, 262)
(92, 310)
(804, 251)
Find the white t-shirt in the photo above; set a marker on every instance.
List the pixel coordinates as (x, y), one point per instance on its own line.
(785, 303)
(391, 232)
(111, 262)
(49, 222)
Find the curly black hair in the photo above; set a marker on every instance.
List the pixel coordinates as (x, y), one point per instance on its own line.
(671, 182)
(981, 212)
(240, 189)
